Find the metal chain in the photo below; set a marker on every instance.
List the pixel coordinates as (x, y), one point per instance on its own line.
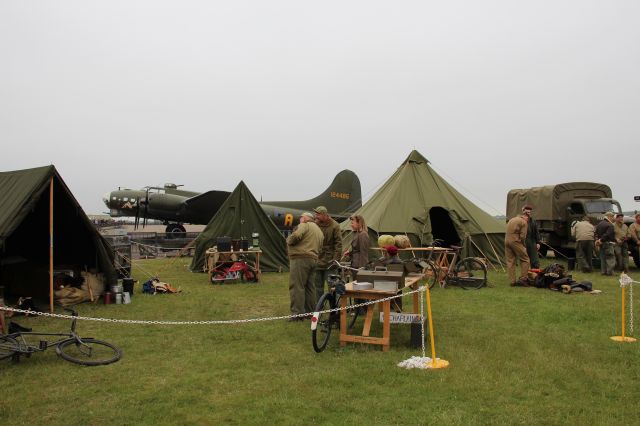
(208, 322)
(422, 317)
(159, 247)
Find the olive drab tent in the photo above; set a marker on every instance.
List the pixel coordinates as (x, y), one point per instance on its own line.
(417, 202)
(239, 217)
(42, 229)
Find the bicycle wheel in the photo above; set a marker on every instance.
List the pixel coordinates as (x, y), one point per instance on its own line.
(8, 347)
(431, 274)
(471, 273)
(321, 331)
(352, 313)
(89, 352)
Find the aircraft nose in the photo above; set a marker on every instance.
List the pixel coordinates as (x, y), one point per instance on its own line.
(105, 198)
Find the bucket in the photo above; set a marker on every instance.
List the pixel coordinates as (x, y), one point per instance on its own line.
(244, 245)
(126, 298)
(118, 298)
(235, 245)
(127, 286)
(108, 298)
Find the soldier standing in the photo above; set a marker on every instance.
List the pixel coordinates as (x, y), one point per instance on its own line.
(303, 246)
(515, 249)
(533, 237)
(331, 247)
(583, 232)
(634, 233)
(620, 249)
(606, 239)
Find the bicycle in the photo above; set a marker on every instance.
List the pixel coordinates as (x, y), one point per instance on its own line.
(323, 322)
(70, 346)
(467, 273)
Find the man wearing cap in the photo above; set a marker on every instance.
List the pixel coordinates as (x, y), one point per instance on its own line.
(634, 235)
(515, 250)
(605, 240)
(303, 247)
(331, 247)
(620, 248)
(532, 242)
(583, 232)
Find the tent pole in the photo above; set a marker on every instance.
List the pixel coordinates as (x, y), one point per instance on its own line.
(494, 252)
(482, 253)
(51, 245)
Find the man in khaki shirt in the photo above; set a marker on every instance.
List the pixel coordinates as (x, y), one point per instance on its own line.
(634, 231)
(584, 232)
(303, 247)
(620, 249)
(515, 249)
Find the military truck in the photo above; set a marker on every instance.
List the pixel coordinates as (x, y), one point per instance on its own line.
(557, 207)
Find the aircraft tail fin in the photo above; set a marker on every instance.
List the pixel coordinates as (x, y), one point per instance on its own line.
(341, 198)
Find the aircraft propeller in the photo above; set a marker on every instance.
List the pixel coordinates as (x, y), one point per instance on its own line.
(143, 201)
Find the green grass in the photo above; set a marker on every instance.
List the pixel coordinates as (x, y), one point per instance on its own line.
(517, 356)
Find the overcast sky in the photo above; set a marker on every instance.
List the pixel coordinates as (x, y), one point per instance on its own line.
(285, 94)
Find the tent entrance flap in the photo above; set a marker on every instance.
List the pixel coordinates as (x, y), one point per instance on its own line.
(443, 228)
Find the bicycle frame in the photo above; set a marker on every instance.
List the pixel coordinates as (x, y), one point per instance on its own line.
(70, 346)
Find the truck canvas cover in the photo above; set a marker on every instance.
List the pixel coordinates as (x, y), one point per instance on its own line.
(550, 202)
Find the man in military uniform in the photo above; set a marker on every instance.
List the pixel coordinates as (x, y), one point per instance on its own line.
(532, 241)
(331, 247)
(634, 234)
(606, 240)
(514, 245)
(620, 248)
(583, 232)
(303, 246)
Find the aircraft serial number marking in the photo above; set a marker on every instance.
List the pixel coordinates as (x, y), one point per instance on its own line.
(342, 195)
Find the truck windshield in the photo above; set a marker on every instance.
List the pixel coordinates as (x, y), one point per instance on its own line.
(601, 206)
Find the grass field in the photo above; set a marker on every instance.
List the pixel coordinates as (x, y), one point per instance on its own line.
(517, 356)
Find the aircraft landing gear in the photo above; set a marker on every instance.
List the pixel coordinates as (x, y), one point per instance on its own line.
(175, 230)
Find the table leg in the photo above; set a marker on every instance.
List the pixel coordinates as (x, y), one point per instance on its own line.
(386, 327)
(368, 319)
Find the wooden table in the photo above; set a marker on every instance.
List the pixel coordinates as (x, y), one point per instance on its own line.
(410, 282)
(214, 258)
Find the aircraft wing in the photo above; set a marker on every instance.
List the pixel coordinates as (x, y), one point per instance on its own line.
(202, 207)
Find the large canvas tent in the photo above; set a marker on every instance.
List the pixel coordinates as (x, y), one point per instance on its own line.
(238, 217)
(42, 228)
(417, 202)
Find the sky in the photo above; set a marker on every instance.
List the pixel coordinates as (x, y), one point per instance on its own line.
(283, 94)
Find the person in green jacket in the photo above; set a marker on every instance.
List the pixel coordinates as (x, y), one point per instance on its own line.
(331, 247)
(303, 247)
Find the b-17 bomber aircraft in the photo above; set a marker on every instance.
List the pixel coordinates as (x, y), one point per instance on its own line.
(174, 206)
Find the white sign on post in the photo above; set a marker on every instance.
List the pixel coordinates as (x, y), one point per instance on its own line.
(400, 318)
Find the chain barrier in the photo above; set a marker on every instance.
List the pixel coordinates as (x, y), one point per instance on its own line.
(160, 247)
(422, 318)
(627, 281)
(206, 322)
